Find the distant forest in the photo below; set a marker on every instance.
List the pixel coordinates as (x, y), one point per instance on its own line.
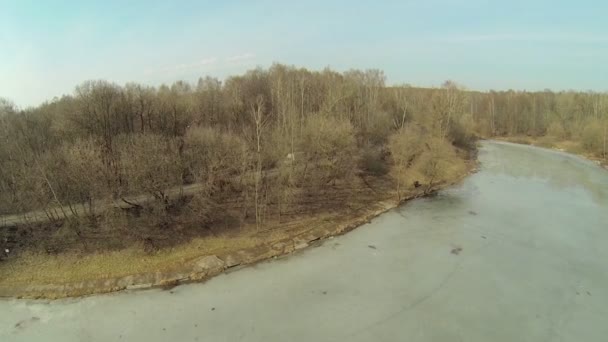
(263, 140)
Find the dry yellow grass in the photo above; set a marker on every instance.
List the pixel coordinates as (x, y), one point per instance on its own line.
(66, 268)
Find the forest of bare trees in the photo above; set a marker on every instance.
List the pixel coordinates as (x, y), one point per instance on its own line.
(578, 117)
(256, 145)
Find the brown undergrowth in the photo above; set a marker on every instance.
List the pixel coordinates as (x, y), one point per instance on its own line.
(329, 212)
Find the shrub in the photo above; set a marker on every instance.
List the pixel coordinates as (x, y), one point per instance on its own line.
(378, 130)
(330, 147)
(557, 131)
(593, 137)
(84, 173)
(461, 132)
(405, 146)
(150, 164)
(212, 156)
(373, 160)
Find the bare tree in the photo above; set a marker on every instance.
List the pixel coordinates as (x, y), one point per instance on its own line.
(260, 121)
(405, 146)
(400, 96)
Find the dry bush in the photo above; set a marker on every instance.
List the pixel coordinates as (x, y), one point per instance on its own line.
(461, 132)
(150, 164)
(593, 137)
(557, 131)
(144, 225)
(483, 127)
(277, 146)
(439, 162)
(154, 217)
(374, 161)
(200, 209)
(67, 237)
(23, 189)
(218, 162)
(330, 148)
(83, 172)
(287, 174)
(406, 145)
(115, 220)
(378, 130)
(213, 156)
(285, 191)
(72, 175)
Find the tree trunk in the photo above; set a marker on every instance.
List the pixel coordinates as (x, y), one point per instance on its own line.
(258, 174)
(256, 111)
(605, 134)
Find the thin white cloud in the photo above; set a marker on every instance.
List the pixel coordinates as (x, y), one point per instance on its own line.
(525, 37)
(242, 57)
(184, 66)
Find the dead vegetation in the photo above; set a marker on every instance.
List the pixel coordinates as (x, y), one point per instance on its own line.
(573, 121)
(273, 149)
(76, 266)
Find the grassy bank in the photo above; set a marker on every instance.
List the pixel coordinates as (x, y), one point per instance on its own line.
(40, 275)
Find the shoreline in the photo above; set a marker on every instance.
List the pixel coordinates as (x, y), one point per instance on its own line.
(204, 267)
(552, 147)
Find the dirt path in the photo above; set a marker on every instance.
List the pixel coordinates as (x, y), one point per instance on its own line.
(82, 209)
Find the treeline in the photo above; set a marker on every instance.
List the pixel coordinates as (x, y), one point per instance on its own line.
(580, 117)
(263, 140)
(253, 147)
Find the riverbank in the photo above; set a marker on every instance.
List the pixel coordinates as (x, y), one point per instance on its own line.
(562, 146)
(520, 241)
(73, 275)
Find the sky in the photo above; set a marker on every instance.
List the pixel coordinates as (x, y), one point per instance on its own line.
(48, 47)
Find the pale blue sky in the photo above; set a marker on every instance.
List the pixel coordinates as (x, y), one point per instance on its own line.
(48, 47)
